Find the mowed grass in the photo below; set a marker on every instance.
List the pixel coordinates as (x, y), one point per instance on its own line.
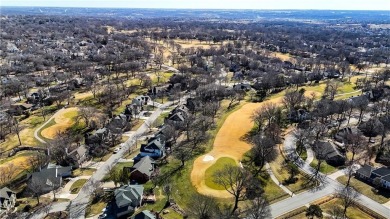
(83, 172)
(62, 121)
(281, 173)
(381, 197)
(352, 212)
(95, 209)
(77, 185)
(217, 166)
(324, 168)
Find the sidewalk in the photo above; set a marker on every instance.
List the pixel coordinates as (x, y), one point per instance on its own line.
(276, 181)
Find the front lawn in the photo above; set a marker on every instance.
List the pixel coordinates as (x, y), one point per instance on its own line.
(76, 186)
(352, 212)
(324, 168)
(366, 189)
(218, 165)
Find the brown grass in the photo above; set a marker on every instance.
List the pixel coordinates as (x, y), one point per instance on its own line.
(63, 120)
(228, 143)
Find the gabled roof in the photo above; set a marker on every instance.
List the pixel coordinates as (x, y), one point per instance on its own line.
(146, 214)
(128, 195)
(5, 193)
(145, 166)
(50, 176)
(386, 178)
(328, 149)
(382, 171)
(157, 142)
(365, 170)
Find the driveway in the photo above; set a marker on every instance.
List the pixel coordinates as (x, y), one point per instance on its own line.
(327, 188)
(79, 204)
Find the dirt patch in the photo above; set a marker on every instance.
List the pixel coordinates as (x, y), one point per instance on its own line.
(63, 120)
(227, 143)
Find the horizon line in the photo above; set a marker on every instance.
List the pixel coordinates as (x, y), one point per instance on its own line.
(232, 9)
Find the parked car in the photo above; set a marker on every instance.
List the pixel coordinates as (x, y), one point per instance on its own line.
(116, 150)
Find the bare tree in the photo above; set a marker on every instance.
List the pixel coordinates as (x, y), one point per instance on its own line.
(348, 197)
(257, 208)
(263, 151)
(202, 207)
(233, 179)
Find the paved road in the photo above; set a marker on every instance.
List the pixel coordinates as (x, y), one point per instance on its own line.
(60, 206)
(327, 188)
(79, 204)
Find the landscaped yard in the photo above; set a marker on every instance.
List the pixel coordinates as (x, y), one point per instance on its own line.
(281, 173)
(76, 186)
(218, 165)
(366, 189)
(324, 168)
(352, 212)
(83, 172)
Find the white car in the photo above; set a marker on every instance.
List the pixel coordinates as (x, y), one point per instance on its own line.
(116, 150)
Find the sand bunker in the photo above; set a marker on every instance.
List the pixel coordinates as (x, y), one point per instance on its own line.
(208, 158)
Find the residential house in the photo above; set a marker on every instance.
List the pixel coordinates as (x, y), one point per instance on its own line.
(20, 108)
(298, 115)
(119, 123)
(329, 151)
(146, 214)
(50, 178)
(375, 94)
(365, 172)
(78, 155)
(358, 99)
(142, 170)
(369, 174)
(242, 87)
(100, 136)
(141, 100)
(155, 148)
(7, 199)
(158, 90)
(132, 110)
(127, 199)
(342, 134)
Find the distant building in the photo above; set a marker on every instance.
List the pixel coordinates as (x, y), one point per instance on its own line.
(7, 199)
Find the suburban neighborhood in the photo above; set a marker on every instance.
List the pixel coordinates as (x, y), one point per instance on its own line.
(204, 114)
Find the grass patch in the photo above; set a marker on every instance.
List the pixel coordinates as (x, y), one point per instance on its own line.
(76, 186)
(137, 124)
(352, 212)
(95, 209)
(272, 191)
(218, 165)
(281, 173)
(160, 120)
(367, 190)
(303, 155)
(324, 168)
(23, 202)
(83, 172)
(49, 124)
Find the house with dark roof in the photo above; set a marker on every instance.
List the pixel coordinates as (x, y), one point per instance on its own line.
(119, 123)
(50, 178)
(142, 170)
(369, 174)
(146, 214)
(7, 199)
(342, 134)
(78, 155)
(242, 87)
(364, 172)
(141, 100)
(127, 199)
(329, 151)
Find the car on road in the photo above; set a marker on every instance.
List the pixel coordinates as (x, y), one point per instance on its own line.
(116, 150)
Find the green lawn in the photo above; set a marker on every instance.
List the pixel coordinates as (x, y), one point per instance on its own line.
(272, 192)
(95, 209)
(366, 189)
(50, 123)
(160, 120)
(218, 165)
(83, 172)
(281, 173)
(76, 186)
(324, 168)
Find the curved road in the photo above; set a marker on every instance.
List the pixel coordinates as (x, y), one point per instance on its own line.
(329, 186)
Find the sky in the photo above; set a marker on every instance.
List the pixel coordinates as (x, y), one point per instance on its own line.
(211, 4)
